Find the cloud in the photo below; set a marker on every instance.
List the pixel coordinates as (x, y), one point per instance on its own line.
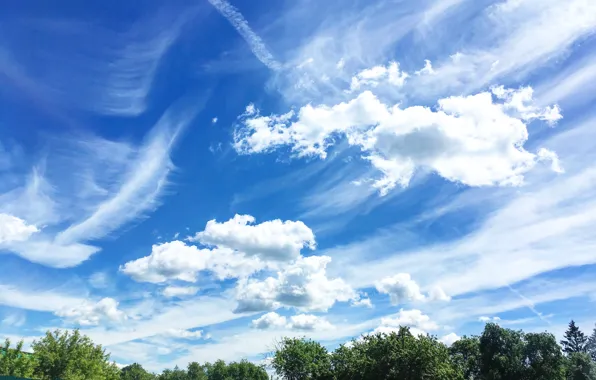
(475, 140)
(411, 318)
(14, 229)
(36, 299)
(179, 291)
(449, 339)
(176, 260)
(183, 334)
(99, 280)
(376, 75)
(363, 302)
(303, 285)
(400, 288)
(427, 69)
(91, 314)
(436, 293)
(271, 319)
(270, 240)
(308, 322)
(256, 44)
(488, 319)
(16, 319)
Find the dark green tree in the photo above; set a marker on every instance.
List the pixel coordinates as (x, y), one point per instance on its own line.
(465, 354)
(580, 367)
(72, 356)
(543, 357)
(501, 353)
(135, 372)
(398, 355)
(591, 345)
(15, 362)
(173, 374)
(575, 340)
(195, 371)
(301, 359)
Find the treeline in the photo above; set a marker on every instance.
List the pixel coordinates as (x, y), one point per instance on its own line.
(497, 354)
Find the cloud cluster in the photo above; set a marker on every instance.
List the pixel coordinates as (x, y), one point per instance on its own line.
(183, 334)
(476, 140)
(14, 229)
(270, 240)
(91, 314)
(401, 288)
(418, 322)
(372, 77)
(301, 322)
(302, 284)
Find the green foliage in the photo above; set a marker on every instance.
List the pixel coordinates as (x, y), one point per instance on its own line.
(219, 370)
(14, 362)
(394, 356)
(580, 367)
(591, 345)
(465, 355)
(575, 340)
(543, 357)
(301, 359)
(72, 356)
(195, 371)
(135, 372)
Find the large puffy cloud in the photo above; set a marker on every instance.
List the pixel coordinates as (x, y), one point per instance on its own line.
(302, 322)
(303, 285)
(476, 140)
(90, 314)
(13, 229)
(400, 288)
(178, 261)
(270, 240)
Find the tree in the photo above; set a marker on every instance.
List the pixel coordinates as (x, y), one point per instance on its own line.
(72, 356)
(543, 357)
(591, 345)
(135, 372)
(501, 353)
(301, 359)
(173, 374)
(15, 362)
(398, 355)
(580, 367)
(195, 371)
(465, 354)
(575, 340)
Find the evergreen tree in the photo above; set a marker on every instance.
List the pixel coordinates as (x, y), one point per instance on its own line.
(591, 345)
(575, 340)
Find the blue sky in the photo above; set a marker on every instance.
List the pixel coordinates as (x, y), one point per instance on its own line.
(192, 180)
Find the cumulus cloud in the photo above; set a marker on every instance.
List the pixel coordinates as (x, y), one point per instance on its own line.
(271, 319)
(179, 291)
(270, 240)
(437, 293)
(449, 339)
(400, 288)
(91, 314)
(363, 302)
(476, 140)
(176, 260)
(301, 322)
(376, 75)
(411, 318)
(303, 285)
(14, 229)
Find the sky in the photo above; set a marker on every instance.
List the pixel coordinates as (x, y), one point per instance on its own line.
(192, 180)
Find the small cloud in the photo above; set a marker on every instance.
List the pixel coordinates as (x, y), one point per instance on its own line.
(340, 64)
(214, 120)
(99, 280)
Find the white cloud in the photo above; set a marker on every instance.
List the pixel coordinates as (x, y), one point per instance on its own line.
(308, 322)
(436, 293)
(363, 302)
(303, 285)
(183, 334)
(270, 240)
(91, 314)
(427, 69)
(400, 288)
(377, 75)
(179, 291)
(449, 339)
(214, 120)
(473, 140)
(271, 319)
(176, 260)
(411, 318)
(488, 319)
(256, 44)
(14, 229)
(16, 319)
(37, 299)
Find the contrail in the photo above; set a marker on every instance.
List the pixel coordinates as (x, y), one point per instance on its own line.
(257, 46)
(529, 305)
